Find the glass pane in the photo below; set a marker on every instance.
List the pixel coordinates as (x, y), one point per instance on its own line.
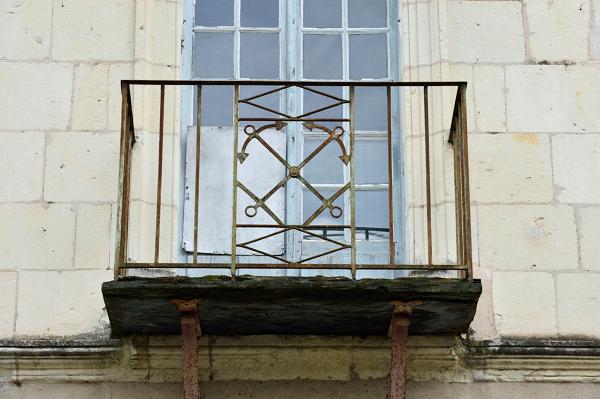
(217, 106)
(213, 55)
(370, 107)
(311, 203)
(259, 56)
(314, 101)
(270, 101)
(322, 56)
(368, 56)
(326, 167)
(214, 13)
(372, 212)
(260, 13)
(367, 13)
(371, 161)
(322, 13)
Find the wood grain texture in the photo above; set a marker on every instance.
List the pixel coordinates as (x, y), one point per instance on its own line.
(289, 305)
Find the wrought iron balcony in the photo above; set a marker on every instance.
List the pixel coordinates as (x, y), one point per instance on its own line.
(280, 213)
(286, 185)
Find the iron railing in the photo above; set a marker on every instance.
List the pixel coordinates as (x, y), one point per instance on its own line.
(342, 134)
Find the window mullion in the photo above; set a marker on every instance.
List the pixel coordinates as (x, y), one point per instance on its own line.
(236, 38)
(293, 32)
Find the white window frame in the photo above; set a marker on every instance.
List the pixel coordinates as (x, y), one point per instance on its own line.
(291, 32)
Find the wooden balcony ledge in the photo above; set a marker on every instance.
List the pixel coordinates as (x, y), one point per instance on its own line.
(252, 305)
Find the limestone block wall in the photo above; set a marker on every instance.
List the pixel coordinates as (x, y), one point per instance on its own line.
(61, 63)
(532, 68)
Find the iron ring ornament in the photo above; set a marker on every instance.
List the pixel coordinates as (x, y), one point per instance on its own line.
(294, 171)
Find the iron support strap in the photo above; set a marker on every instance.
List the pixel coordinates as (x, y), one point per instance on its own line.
(190, 331)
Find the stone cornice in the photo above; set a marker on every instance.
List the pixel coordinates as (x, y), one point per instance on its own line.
(264, 358)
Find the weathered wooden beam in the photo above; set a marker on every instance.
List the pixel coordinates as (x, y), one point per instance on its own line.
(290, 305)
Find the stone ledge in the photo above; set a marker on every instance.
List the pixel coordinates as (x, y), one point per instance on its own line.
(286, 358)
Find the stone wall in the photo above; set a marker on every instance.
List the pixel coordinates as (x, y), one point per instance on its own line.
(61, 63)
(532, 66)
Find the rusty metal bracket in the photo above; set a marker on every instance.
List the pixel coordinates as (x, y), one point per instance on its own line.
(190, 331)
(398, 332)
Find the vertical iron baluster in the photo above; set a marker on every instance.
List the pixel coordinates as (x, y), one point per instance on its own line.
(390, 177)
(458, 198)
(124, 179)
(468, 256)
(236, 98)
(352, 187)
(427, 175)
(159, 177)
(197, 182)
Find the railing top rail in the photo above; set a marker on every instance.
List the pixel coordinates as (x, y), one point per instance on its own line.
(360, 83)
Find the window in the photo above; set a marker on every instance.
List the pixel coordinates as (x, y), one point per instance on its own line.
(291, 40)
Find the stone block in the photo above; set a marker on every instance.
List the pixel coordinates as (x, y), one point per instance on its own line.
(36, 101)
(93, 240)
(588, 220)
(37, 236)
(22, 171)
(465, 73)
(25, 26)
(81, 167)
(60, 302)
(578, 304)
(116, 73)
(510, 168)
(423, 42)
(576, 159)
(144, 175)
(490, 98)
(552, 98)
(161, 34)
(142, 228)
(558, 30)
(90, 97)
(595, 31)
(485, 31)
(524, 304)
(8, 303)
(527, 237)
(89, 30)
(483, 325)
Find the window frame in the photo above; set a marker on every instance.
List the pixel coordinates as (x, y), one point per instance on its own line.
(291, 38)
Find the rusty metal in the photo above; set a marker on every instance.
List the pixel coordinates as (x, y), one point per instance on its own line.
(264, 108)
(427, 175)
(294, 119)
(308, 228)
(279, 83)
(454, 139)
(265, 93)
(293, 265)
(197, 170)
(466, 201)
(124, 179)
(390, 176)
(161, 134)
(236, 127)
(398, 332)
(352, 185)
(190, 331)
